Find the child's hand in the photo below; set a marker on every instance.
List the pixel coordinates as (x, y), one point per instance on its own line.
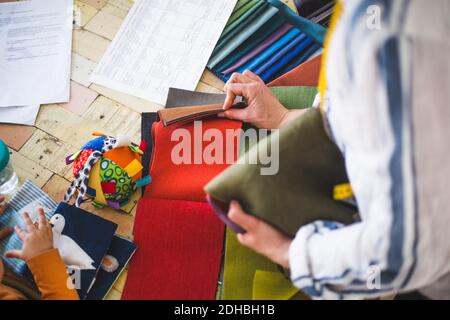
(37, 239)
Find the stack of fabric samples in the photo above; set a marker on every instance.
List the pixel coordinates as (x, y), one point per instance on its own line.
(258, 37)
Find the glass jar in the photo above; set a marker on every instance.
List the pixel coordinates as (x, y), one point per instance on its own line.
(8, 177)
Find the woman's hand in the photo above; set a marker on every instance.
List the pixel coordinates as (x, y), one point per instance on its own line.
(37, 238)
(260, 236)
(263, 110)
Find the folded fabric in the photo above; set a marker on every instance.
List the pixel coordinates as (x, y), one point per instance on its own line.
(273, 49)
(188, 114)
(260, 36)
(180, 98)
(250, 276)
(242, 6)
(311, 52)
(260, 48)
(180, 250)
(183, 175)
(269, 285)
(313, 30)
(235, 39)
(280, 60)
(240, 23)
(306, 74)
(301, 190)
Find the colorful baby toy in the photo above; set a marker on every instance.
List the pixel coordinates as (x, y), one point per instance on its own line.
(107, 170)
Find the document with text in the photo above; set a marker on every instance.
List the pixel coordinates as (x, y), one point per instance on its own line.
(35, 52)
(162, 44)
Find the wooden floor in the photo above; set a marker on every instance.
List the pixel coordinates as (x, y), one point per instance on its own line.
(38, 152)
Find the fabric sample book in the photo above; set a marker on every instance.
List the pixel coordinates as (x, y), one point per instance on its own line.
(180, 249)
(310, 165)
(184, 180)
(267, 38)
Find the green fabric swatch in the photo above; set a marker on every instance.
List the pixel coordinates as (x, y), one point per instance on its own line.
(295, 97)
(246, 274)
(291, 98)
(300, 188)
(241, 8)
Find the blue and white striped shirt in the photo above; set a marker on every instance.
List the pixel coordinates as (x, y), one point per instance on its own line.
(387, 106)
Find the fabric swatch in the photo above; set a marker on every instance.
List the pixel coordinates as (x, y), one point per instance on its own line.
(242, 6)
(309, 167)
(306, 74)
(181, 98)
(185, 181)
(268, 70)
(273, 49)
(260, 48)
(244, 31)
(179, 255)
(256, 39)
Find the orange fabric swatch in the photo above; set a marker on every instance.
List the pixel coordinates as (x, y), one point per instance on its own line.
(184, 180)
(306, 74)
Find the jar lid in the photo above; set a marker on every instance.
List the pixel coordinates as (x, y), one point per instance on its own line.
(4, 155)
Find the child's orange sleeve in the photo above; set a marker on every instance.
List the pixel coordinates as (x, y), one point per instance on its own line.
(51, 276)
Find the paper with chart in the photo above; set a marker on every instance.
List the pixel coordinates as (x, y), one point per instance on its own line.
(162, 44)
(35, 52)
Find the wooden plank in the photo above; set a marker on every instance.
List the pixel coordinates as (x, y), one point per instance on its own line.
(98, 4)
(101, 111)
(115, 11)
(89, 45)
(28, 169)
(203, 87)
(14, 135)
(83, 13)
(80, 98)
(82, 69)
(135, 103)
(122, 4)
(104, 24)
(47, 151)
(210, 79)
(126, 122)
(67, 126)
(56, 187)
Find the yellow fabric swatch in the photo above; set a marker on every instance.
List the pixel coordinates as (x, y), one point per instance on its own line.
(133, 168)
(95, 183)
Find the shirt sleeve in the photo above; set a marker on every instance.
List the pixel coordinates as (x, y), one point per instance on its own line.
(51, 277)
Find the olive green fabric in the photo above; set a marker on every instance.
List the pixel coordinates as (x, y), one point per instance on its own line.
(310, 165)
(291, 98)
(241, 8)
(295, 97)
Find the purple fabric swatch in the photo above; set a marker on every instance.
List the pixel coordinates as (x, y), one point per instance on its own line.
(263, 46)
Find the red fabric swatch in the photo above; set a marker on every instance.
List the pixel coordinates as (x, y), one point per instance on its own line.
(306, 74)
(179, 251)
(185, 181)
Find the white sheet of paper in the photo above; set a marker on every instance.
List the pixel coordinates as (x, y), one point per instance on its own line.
(162, 44)
(19, 115)
(35, 46)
